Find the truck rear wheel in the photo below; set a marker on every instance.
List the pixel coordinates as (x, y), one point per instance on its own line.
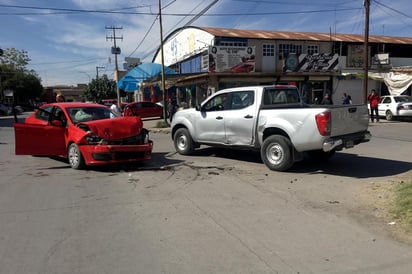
(183, 142)
(276, 153)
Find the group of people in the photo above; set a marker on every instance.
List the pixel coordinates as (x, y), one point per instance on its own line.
(327, 100)
(373, 99)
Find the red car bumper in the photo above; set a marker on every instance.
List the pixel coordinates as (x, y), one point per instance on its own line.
(111, 154)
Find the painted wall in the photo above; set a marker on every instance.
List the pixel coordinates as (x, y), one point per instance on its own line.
(184, 44)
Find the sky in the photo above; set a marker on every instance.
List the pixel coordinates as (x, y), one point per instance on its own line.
(69, 41)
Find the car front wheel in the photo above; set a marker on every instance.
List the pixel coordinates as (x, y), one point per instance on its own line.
(276, 153)
(76, 159)
(183, 142)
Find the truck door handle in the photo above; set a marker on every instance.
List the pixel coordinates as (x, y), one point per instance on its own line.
(219, 118)
(248, 116)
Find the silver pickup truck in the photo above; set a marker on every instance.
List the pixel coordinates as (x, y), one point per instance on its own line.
(273, 120)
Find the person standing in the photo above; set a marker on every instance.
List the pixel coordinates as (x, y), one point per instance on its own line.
(60, 98)
(326, 100)
(374, 99)
(172, 107)
(115, 108)
(346, 99)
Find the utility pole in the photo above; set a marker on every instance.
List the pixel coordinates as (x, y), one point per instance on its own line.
(162, 62)
(115, 51)
(97, 72)
(366, 52)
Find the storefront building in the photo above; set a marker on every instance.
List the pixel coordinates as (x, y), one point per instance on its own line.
(208, 59)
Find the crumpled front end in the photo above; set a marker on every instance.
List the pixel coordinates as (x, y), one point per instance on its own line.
(116, 140)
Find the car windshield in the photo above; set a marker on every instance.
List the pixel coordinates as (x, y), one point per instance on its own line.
(403, 99)
(84, 114)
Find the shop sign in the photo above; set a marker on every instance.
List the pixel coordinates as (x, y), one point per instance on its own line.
(231, 59)
(320, 62)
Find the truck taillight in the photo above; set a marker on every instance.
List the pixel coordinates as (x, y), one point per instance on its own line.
(324, 121)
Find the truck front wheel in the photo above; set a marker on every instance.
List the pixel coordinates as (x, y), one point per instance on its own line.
(276, 153)
(183, 142)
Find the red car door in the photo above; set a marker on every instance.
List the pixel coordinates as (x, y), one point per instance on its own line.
(47, 140)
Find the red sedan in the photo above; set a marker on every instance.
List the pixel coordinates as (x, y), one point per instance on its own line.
(86, 134)
(143, 109)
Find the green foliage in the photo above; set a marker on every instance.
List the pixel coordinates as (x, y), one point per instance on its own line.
(402, 208)
(15, 76)
(101, 88)
(14, 59)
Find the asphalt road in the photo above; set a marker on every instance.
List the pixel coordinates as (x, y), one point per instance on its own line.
(218, 211)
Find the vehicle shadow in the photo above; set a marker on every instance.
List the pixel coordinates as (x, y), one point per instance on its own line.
(341, 164)
(159, 161)
(353, 165)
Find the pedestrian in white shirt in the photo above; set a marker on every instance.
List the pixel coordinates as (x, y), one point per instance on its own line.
(115, 108)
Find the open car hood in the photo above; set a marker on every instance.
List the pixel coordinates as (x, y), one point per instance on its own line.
(115, 128)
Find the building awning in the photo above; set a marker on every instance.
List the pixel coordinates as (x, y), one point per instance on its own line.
(130, 81)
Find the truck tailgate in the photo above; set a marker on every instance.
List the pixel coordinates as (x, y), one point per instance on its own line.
(348, 119)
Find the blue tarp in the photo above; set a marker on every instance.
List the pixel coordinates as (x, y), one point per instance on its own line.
(142, 72)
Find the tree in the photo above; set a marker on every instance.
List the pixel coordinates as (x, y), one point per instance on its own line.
(15, 59)
(101, 88)
(16, 77)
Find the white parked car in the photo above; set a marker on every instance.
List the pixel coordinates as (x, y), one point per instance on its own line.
(395, 106)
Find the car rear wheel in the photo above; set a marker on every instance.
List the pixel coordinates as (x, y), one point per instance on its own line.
(389, 115)
(276, 153)
(183, 142)
(76, 159)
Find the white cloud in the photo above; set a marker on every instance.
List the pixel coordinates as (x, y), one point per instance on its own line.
(65, 47)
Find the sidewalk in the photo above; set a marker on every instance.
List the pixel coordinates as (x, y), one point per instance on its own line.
(151, 125)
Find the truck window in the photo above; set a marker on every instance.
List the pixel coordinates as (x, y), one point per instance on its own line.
(219, 102)
(280, 96)
(230, 101)
(242, 99)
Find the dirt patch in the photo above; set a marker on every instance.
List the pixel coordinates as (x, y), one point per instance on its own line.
(378, 198)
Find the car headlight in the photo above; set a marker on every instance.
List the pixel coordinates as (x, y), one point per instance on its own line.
(93, 139)
(144, 136)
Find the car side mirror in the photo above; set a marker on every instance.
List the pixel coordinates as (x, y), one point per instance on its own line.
(198, 107)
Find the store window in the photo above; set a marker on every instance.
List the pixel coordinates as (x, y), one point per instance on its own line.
(285, 49)
(268, 50)
(313, 49)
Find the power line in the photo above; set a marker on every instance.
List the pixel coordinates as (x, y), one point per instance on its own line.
(144, 37)
(169, 14)
(392, 9)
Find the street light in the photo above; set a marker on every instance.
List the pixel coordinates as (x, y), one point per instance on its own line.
(88, 75)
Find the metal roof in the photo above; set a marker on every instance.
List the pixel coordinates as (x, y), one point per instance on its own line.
(304, 36)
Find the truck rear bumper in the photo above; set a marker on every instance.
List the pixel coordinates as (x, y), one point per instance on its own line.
(346, 141)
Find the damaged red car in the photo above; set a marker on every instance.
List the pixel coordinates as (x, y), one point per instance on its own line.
(86, 134)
